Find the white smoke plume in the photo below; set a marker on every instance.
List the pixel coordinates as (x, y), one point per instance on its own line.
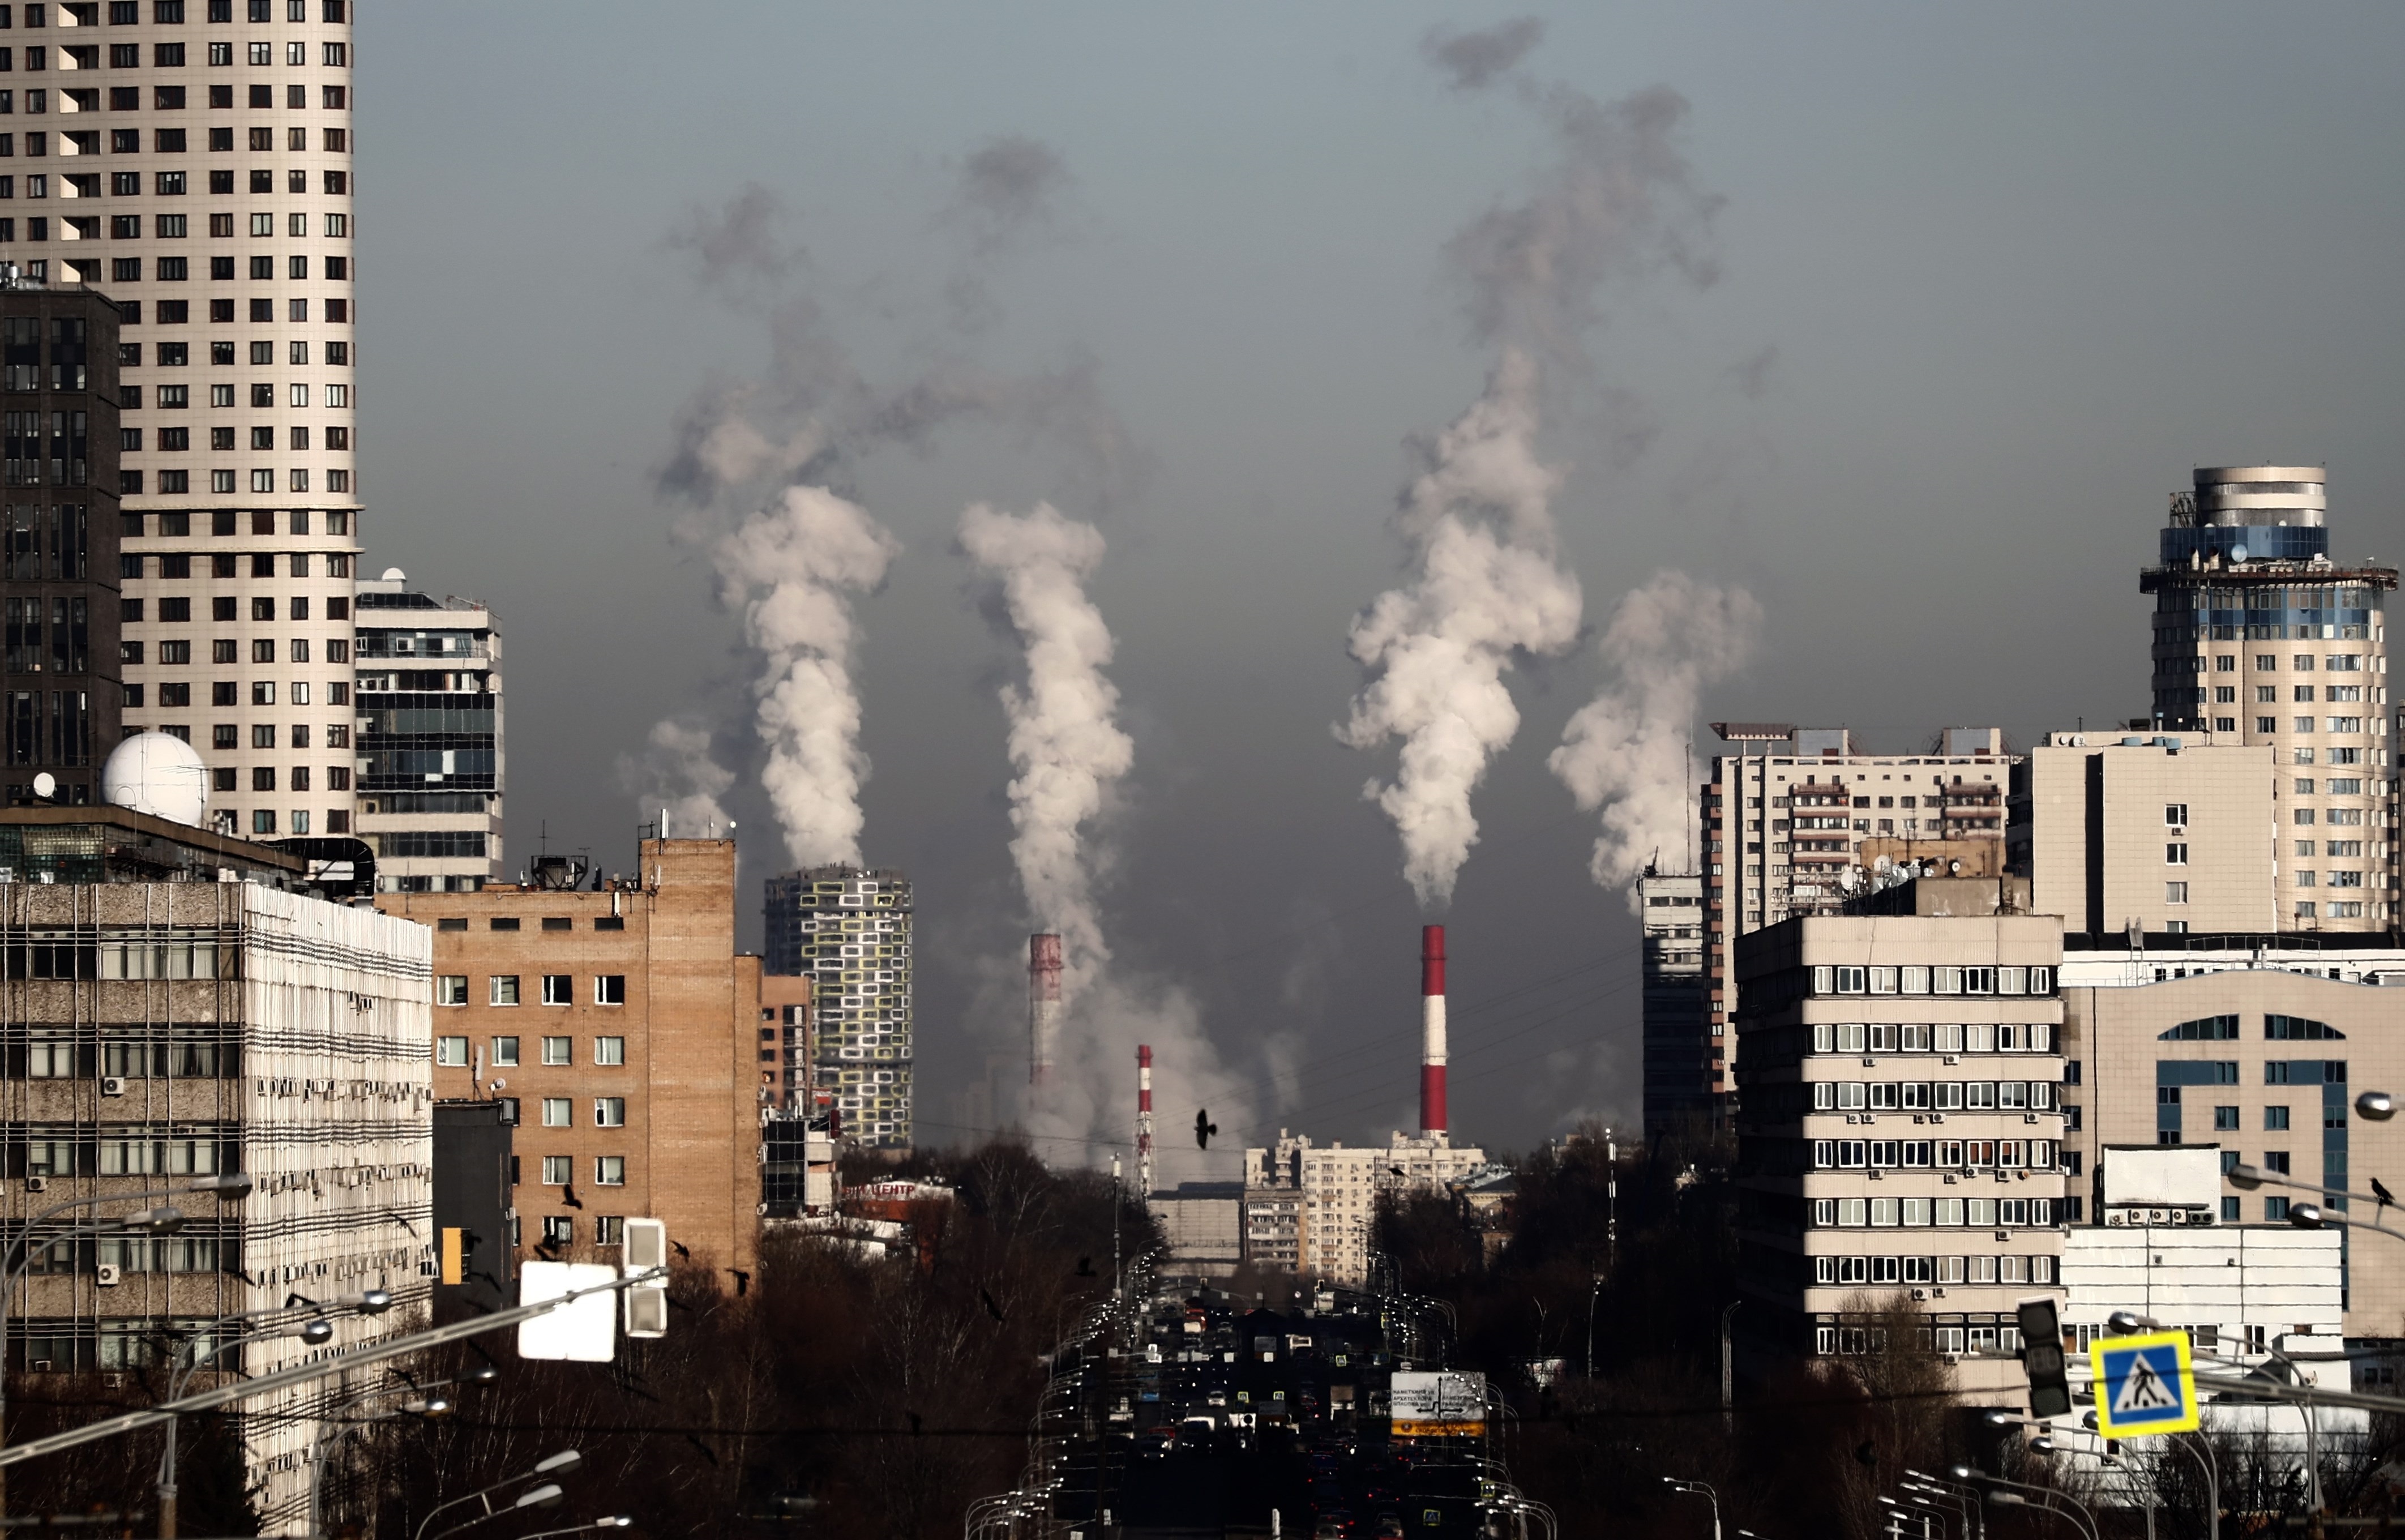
(678, 775)
(1065, 748)
(1625, 751)
(788, 571)
(1485, 588)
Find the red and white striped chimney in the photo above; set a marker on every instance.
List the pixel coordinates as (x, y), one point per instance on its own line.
(1144, 1121)
(1043, 1007)
(1432, 1029)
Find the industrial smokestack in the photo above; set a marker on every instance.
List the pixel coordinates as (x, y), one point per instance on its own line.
(1144, 1122)
(1043, 1007)
(1432, 1030)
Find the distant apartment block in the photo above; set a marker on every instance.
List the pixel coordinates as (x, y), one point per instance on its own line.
(1310, 1210)
(1680, 1055)
(848, 930)
(430, 767)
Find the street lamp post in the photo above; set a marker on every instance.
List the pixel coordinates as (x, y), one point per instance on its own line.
(1709, 1495)
(561, 1463)
(313, 1333)
(1728, 1371)
(18, 1255)
(615, 1522)
(2007, 1493)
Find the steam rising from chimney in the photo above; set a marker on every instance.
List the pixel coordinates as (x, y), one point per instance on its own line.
(1043, 1008)
(1625, 751)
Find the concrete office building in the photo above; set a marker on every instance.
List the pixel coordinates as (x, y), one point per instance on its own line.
(1319, 1203)
(1203, 1224)
(178, 1006)
(2259, 636)
(1798, 820)
(195, 157)
(430, 765)
(619, 1026)
(1899, 1128)
(2157, 833)
(1679, 1058)
(2257, 1057)
(849, 929)
(60, 701)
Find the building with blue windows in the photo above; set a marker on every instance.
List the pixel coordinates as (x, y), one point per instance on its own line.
(428, 698)
(2261, 637)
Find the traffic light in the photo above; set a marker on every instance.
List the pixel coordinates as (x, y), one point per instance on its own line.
(2042, 1356)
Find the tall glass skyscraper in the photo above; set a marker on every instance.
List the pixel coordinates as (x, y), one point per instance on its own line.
(2259, 636)
(848, 930)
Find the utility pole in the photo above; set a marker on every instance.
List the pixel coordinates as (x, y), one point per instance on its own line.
(1728, 1372)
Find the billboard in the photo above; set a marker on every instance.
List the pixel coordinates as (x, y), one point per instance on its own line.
(2162, 1177)
(1441, 1404)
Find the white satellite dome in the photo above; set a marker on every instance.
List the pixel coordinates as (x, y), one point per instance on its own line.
(159, 774)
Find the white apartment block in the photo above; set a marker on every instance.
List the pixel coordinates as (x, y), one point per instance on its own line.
(1797, 820)
(1901, 1126)
(429, 745)
(190, 1026)
(2260, 638)
(1322, 1203)
(193, 158)
(2158, 834)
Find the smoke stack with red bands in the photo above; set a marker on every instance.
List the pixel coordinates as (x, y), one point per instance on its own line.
(1432, 1029)
(1043, 1007)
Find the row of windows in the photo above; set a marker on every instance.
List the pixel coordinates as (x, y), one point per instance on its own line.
(171, 184)
(1919, 979)
(262, 820)
(177, 398)
(75, 57)
(225, 523)
(1933, 1095)
(560, 1170)
(175, 98)
(263, 436)
(178, 483)
(2171, 1074)
(1932, 1037)
(1926, 1213)
(557, 989)
(2335, 911)
(222, 650)
(560, 1230)
(172, 227)
(1932, 1154)
(224, 692)
(177, 566)
(221, 270)
(452, 1052)
(2004, 1269)
(170, 13)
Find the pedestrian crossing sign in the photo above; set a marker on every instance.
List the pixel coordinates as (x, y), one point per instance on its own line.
(2144, 1385)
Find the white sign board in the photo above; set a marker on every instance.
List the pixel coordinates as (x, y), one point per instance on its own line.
(584, 1329)
(2163, 1177)
(1437, 1404)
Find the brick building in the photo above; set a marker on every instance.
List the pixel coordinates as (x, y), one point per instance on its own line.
(631, 1040)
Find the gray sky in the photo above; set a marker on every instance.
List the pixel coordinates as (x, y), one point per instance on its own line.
(1991, 280)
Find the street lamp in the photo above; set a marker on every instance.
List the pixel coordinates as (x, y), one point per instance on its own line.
(2003, 1494)
(315, 1333)
(615, 1522)
(562, 1463)
(548, 1495)
(1709, 1495)
(164, 1219)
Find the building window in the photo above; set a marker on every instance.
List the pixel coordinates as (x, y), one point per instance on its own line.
(609, 1112)
(504, 989)
(609, 1051)
(2174, 893)
(451, 1052)
(560, 989)
(2175, 854)
(555, 1112)
(557, 1170)
(609, 1170)
(609, 989)
(451, 989)
(558, 1051)
(610, 1230)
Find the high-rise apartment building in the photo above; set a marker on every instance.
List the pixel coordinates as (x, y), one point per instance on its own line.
(58, 574)
(2261, 637)
(1310, 1210)
(1678, 1042)
(1798, 821)
(850, 930)
(1901, 1127)
(195, 156)
(428, 708)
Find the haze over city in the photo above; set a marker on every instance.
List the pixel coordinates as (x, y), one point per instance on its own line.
(1890, 333)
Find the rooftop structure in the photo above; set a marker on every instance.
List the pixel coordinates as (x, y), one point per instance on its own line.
(430, 767)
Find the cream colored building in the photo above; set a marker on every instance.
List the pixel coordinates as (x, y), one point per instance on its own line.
(2259, 636)
(2149, 831)
(193, 158)
(1321, 1203)
(1900, 1129)
(2263, 1061)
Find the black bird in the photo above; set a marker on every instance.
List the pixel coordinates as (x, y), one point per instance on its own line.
(698, 1444)
(742, 1282)
(916, 1422)
(2383, 1193)
(1864, 1453)
(1204, 1129)
(679, 1247)
(1085, 1267)
(567, 1196)
(990, 1308)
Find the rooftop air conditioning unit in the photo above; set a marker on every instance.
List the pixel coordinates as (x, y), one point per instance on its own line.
(38, 1184)
(108, 1274)
(112, 1085)
(1920, 1294)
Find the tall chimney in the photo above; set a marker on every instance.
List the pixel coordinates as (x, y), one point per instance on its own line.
(1432, 1030)
(1144, 1123)
(1043, 1006)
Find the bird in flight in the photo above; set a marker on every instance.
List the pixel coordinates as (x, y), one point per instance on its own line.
(1204, 1129)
